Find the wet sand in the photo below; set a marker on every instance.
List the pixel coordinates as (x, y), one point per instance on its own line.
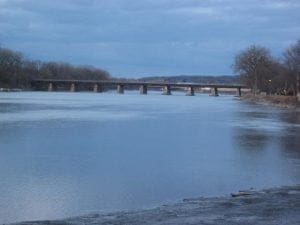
(270, 206)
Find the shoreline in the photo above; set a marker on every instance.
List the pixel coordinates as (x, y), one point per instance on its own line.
(288, 102)
(279, 205)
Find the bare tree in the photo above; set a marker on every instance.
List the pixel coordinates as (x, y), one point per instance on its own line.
(292, 62)
(254, 65)
(10, 66)
(17, 71)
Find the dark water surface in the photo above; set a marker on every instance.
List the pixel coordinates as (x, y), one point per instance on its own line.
(66, 154)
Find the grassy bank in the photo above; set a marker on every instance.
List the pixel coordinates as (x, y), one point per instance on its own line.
(274, 100)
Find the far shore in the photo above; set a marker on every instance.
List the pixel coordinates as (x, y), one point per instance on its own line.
(274, 206)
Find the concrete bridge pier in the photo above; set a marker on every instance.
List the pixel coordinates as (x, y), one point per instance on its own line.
(50, 86)
(120, 89)
(214, 91)
(72, 88)
(97, 88)
(191, 91)
(238, 92)
(143, 89)
(167, 90)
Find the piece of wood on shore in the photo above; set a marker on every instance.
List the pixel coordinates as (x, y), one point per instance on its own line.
(241, 193)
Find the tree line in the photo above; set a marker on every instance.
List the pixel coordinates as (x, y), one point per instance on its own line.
(260, 71)
(16, 71)
(204, 79)
(257, 68)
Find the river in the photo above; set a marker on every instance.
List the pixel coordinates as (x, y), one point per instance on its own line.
(67, 154)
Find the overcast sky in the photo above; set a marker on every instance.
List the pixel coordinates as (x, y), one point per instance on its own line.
(137, 38)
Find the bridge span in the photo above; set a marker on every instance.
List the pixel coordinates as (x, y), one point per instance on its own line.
(98, 85)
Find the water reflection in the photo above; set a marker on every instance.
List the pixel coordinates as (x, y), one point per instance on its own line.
(291, 145)
(266, 128)
(290, 116)
(254, 128)
(251, 139)
(290, 136)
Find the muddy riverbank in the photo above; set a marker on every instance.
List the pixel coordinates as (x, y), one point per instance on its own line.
(270, 206)
(274, 100)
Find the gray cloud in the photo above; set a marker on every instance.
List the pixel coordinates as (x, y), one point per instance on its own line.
(130, 37)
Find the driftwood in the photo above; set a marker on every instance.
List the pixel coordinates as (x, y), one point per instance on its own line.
(241, 193)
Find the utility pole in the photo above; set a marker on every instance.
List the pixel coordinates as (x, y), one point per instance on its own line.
(297, 85)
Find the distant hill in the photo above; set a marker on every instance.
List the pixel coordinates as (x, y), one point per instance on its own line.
(224, 79)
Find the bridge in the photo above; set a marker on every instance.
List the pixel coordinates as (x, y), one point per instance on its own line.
(97, 85)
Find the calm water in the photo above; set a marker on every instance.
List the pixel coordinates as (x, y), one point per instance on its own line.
(66, 154)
